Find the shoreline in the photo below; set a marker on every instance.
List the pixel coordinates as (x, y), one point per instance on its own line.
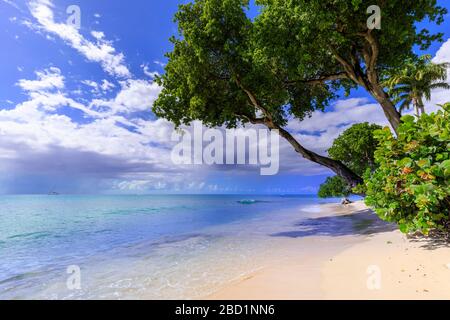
(371, 261)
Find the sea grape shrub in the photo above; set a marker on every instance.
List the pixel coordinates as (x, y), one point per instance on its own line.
(411, 184)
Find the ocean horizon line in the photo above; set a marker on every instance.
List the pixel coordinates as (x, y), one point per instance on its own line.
(159, 194)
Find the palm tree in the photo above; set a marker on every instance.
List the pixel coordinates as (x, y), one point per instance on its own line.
(416, 81)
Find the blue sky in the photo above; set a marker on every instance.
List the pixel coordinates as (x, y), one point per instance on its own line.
(75, 106)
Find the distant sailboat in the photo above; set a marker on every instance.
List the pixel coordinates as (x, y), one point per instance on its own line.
(53, 193)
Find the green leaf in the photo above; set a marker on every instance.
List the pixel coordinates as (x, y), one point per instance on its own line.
(445, 165)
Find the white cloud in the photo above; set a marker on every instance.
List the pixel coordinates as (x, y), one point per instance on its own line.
(135, 95)
(90, 83)
(37, 131)
(440, 96)
(318, 132)
(106, 85)
(159, 63)
(100, 51)
(147, 72)
(443, 54)
(99, 35)
(99, 88)
(345, 112)
(50, 78)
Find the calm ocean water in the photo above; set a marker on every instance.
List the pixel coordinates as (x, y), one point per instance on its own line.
(152, 247)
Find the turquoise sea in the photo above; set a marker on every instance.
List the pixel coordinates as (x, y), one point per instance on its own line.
(153, 247)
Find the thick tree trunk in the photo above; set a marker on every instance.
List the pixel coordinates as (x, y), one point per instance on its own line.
(389, 109)
(370, 79)
(336, 166)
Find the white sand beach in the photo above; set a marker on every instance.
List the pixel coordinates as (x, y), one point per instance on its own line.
(371, 261)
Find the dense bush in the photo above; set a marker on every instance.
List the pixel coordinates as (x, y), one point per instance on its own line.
(411, 185)
(334, 187)
(355, 148)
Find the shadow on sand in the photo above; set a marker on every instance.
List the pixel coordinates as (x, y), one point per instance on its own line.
(434, 241)
(363, 222)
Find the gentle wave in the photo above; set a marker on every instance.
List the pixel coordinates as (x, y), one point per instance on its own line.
(312, 209)
(251, 201)
(32, 235)
(145, 210)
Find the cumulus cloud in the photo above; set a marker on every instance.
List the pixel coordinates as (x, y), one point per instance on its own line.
(443, 54)
(39, 138)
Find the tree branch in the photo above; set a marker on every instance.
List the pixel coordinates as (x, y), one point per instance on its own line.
(252, 120)
(348, 67)
(322, 79)
(338, 167)
(374, 48)
(370, 55)
(254, 101)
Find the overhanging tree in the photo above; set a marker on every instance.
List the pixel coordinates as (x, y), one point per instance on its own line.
(226, 69)
(214, 75)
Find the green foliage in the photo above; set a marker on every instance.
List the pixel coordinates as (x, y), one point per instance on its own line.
(415, 81)
(355, 148)
(200, 77)
(304, 38)
(282, 56)
(334, 187)
(213, 64)
(411, 186)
